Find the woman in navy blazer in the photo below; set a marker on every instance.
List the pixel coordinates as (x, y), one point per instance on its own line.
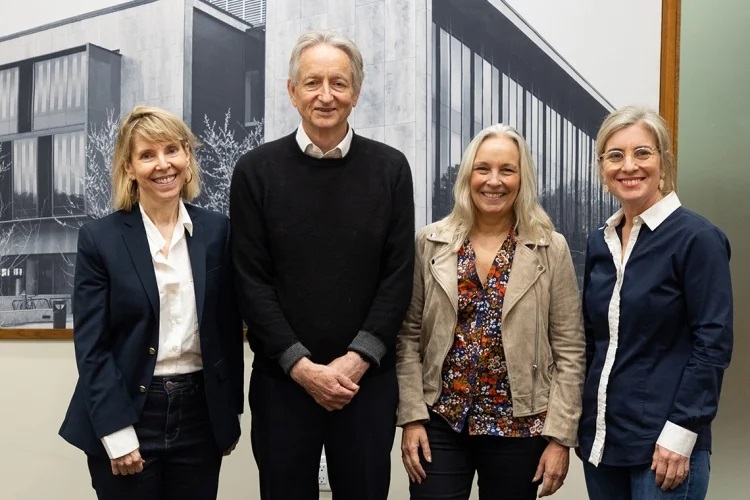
(657, 306)
(157, 336)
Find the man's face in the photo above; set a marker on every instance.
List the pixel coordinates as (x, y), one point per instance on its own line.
(324, 94)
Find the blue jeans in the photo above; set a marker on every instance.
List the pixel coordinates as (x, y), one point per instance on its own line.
(639, 483)
(177, 444)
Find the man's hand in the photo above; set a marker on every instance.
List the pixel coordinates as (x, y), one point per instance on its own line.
(132, 463)
(553, 467)
(329, 388)
(350, 364)
(671, 468)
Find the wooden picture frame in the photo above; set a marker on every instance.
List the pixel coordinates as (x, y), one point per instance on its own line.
(668, 107)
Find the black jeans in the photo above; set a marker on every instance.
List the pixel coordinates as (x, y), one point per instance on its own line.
(505, 466)
(176, 442)
(289, 430)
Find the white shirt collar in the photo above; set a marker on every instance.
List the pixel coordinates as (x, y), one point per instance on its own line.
(654, 216)
(155, 239)
(304, 142)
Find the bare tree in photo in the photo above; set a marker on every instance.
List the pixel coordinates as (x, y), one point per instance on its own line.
(218, 155)
(100, 147)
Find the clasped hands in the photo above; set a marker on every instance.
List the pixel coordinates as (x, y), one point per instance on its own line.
(333, 385)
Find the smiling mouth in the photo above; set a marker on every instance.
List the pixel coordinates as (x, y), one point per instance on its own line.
(165, 180)
(493, 196)
(630, 182)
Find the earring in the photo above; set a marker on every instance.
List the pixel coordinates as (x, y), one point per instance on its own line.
(606, 189)
(661, 185)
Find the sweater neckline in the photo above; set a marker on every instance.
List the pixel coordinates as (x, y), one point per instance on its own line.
(323, 162)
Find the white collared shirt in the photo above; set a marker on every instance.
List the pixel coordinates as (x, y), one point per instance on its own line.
(310, 149)
(673, 437)
(179, 343)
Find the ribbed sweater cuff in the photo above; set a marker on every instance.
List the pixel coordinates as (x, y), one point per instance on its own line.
(368, 346)
(292, 355)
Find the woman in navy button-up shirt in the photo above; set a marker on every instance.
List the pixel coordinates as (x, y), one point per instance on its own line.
(658, 320)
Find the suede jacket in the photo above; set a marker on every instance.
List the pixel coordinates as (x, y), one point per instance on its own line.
(542, 331)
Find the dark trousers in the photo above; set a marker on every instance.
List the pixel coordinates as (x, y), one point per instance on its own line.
(607, 482)
(182, 461)
(289, 431)
(505, 466)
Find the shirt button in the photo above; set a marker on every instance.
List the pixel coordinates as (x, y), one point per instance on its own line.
(151, 351)
(174, 348)
(142, 388)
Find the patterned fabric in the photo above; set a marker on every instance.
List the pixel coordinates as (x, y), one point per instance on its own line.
(475, 389)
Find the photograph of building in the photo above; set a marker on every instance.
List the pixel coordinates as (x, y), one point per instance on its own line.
(436, 72)
(63, 87)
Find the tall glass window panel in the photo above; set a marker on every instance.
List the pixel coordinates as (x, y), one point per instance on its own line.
(477, 94)
(9, 101)
(512, 103)
(496, 101)
(455, 86)
(25, 196)
(69, 168)
(59, 91)
(486, 94)
(505, 98)
(465, 96)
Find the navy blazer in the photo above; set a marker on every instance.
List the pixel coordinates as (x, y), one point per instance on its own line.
(116, 326)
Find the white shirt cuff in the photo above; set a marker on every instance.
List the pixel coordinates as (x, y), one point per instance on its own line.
(677, 439)
(121, 442)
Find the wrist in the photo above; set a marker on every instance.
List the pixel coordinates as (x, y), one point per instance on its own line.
(299, 368)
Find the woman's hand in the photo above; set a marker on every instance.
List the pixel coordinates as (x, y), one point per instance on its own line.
(553, 467)
(671, 468)
(414, 436)
(132, 463)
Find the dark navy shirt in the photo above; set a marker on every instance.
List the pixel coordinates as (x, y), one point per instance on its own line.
(658, 335)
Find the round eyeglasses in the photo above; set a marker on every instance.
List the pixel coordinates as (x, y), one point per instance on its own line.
(640, 155)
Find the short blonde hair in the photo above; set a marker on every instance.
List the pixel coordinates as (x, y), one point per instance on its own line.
(153, 125)
(325, 37)
(654, 123)
(531, 219)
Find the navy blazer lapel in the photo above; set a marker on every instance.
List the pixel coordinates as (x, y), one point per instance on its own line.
(197, 249)
(136, 241)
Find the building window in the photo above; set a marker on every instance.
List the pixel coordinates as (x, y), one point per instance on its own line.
(9, 101)
(25, 196)
(59, 92)
(68, 170)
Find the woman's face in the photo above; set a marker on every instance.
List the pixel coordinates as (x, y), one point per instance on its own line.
(496, 177)
(160, 169)
(631, 168)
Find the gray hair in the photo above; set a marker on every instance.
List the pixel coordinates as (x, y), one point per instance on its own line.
(654, 123)
(312, 38)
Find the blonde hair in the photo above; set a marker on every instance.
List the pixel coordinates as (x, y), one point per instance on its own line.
(313, 38)
(153, 125)
(530, 218)
(654, 123)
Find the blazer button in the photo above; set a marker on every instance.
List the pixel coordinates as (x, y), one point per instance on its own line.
(142, 388)
(151, 351)
(433, 261)
(541, 267)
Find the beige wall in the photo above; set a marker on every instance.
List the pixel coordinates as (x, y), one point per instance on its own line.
(714, 180)
(36, 382)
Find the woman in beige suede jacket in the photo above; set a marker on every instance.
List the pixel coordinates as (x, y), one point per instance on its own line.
(490, 357)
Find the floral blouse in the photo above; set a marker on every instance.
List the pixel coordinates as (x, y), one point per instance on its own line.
(475, 389)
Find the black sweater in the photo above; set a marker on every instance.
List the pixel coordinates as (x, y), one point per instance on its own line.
(324, 251)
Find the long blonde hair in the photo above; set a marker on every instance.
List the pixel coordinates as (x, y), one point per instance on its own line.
(530, 218)
(154, 125)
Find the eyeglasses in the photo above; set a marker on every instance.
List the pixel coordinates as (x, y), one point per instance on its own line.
(640, 155)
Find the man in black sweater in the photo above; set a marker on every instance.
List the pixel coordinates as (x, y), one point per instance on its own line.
(323, 244)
